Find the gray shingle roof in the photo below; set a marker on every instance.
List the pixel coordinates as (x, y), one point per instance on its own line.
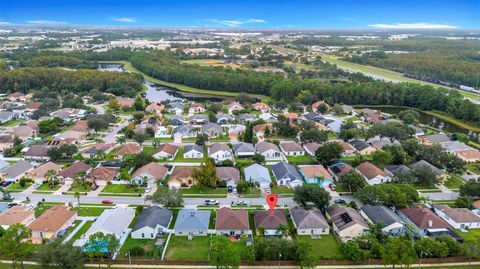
(285, 170)
(423, 163)
(152, 217)
(344, 217)
(243, 147)
(380, 214)
(192, 219)
(17, 169)
(359, 144)
(309, 219)
(195, 147)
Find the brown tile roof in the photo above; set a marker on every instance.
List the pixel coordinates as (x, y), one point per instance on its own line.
(33, 124)
(232, 219)
(260, 105)
(262, 127)
(23, 131)
(104, 173)
(43, 169)
(476, 204)
(16, 94)
(228, 173)
(268, 220)
(469, 154)
(312, 146)
(81, 126)
(264, 146)
(181, 172)
(370, 171)
(53, 219)
(130, 148)
(422, 217)
(314, 171)
(155, 107)
(168, 148)
(291, 146)
(125, 102)
(16, 214)
(34, 105)
(157, 170)
(459, 215)
(344, 217)
(73, 170)
(36, 151)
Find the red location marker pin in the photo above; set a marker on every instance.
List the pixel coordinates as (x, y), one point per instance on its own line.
(272, 200)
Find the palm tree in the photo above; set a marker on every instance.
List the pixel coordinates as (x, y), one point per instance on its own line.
(121, 140)
(156, 142)
(99, 155)
(51, 177)
(283, 230)
(77, 196)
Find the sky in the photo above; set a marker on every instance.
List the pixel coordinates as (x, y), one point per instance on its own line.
(319, 14)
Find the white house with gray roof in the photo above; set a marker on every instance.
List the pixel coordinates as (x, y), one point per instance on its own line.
(152, 222)
(191, 222)
(287, 174)
(220, 152)
(193, 152)
(270, 151)
(309, 222)
(211, 129)
(16, 171)
(244, 149)
(258, 174)
(392, 223)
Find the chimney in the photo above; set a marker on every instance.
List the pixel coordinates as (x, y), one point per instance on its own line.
(430, 223)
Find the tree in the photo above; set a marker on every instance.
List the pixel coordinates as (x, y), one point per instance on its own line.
(14, 244)
(139, 138)
(426, 176)
(77, 196)
(464, 202)
(429, 248)
(313, 135)
(322, 108)
(329, 152)
(54, 153)
(352, 251)
(242, 187)
(353, 180)
(248, 134)
(138, 116)
(60, 255)
(97, 244)
(399, 250)
(399, 156)
(258, 158)
(222, 253)
(206, 175)
(168, 197)
(121, 140)
(68, 149)
(49, 126)
(382, 158)
(348, 131)
(308, 193)
(397, 195)
(409, 116)
(201, 139)
(304, 256)
(113, 104)
(50, 175)
(471, 189)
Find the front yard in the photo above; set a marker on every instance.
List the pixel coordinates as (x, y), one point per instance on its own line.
(81, 232)
(282, 190)
(302, 159)
(16, 187)
(203, 192)
(454, 182)
(47, 188)
(179, 158)
(180, 248)
(90, 211)
(122, 188)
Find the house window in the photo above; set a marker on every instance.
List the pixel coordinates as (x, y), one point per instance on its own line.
(143, 235)
(200, 232)
(151, 235)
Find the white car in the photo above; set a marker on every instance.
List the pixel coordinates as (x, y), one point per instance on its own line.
(267, 190)
(211, 202)
(148, 189)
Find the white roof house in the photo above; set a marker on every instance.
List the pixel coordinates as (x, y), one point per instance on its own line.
(258, 174)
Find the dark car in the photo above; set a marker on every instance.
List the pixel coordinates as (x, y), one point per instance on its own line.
(339, 201)
(5, 183)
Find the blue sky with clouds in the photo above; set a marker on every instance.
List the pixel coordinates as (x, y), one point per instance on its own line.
(334, 14)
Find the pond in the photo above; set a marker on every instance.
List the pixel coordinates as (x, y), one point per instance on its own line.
(427, 119)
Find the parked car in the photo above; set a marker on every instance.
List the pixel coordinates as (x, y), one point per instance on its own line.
(267, 190)
(5, 183)
(36, 185)
(10, 205)
(332, 187)
(107, 202)
(94, 187)
(230, 189)
(148, 189)
(339, 201)
(211, 202)
(239, 203)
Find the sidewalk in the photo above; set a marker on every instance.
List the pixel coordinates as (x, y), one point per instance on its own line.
(96, 192)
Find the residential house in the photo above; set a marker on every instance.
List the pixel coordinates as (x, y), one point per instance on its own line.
(102, 175)
(311, 148)
(16, 171)
(348, 109)
(462, 151)
(96, 148)
(232, 222)
(24, 132)
(166, 151)
(69, 114)
(229, 174)
(155, 107)
(244, 149)
(184, 131)
(434, 139)
(152, 222)
(77, 169)
(458, 218)
(36, 153)
(264, 108)
(348, 149)
(196, 108)
(211, 130)
(469, 156)
(244, 118)
(198, 119)
(312, 116)
(372, 174)
(319, 103)
(177, 120)
(193, 152)
(337, 170)
(370, 115)
(397, 171)
(316, 174)
(82, 126)
(292, 149)
(234, 106)
(41, 173)
(176, 108)
(7, 116)
(309, 222)
(71, 135)
(114, 221)
(362, 147)
(422, 164)
(257, 174)
(220, 152)
(268, 117)
(270, 221)
(148, 172)
(347, 222)
(128, 149)
(223, 118)
(392, 224)
(260, 130)
(6, 141)
(52, 223)
(270, 151)
(125, 102)
(181, 177)
(423, 220)
(16, 215)
(191, 222)
(293, 118)
(286, 174)
(17, 97)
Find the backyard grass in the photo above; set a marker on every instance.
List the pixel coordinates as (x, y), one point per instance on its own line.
(327, 245)
(121, 188)
(147, 244)
(301, 159)
(471, 235)
(149, 150)
(180, 248)
(179, 158)
(80, 232)
(454, 182)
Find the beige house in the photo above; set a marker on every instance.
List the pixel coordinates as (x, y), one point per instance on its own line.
(347, 222)
(39, 174)
(16, 215)
(51, 223)
(181, 177)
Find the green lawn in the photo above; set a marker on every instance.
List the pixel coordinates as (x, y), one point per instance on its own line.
(15, 187)
(418, 186)
(80, 232)
(149, 150)
(472, 235)
(180, 248)
(40, 209)
(282, 190)
(203, 191)
(454, 182)
(147, 244)
(302, 159)
(86, 188)
(90, 211)
(47, 187)
(474, 168)
(179, 158)
(12, 123)
(327, 245)
(121, 188)
(251, 193)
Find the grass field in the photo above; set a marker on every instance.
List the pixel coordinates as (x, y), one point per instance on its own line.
(180, 248)
(382, 73)
(90, 211)
(327, 245)
(181, 87)
(474, 168)
(196, 190)
(121, 188)
(146, 244)
(454, 182)
(472, 235)
(80, 232)
(15, 187)
(282, 190)
(302, 159)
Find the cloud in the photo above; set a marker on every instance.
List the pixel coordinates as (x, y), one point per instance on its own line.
(236, 23)
(124, 19)
(417, 25)
(45, 22)
(4, 22)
